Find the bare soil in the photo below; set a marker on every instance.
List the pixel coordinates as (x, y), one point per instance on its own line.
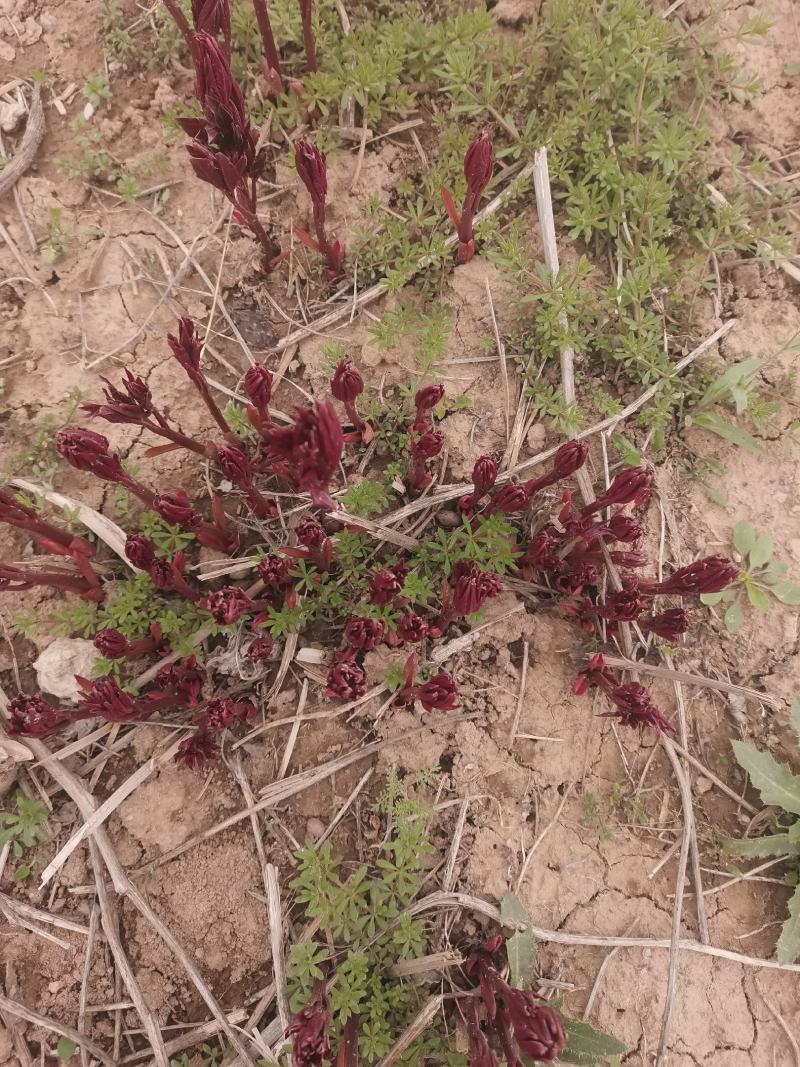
(598, 868)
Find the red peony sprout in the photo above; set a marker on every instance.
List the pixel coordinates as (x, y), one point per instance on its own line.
(33, 716)
(197, 750)
(669, 625)
(634, 707)
(438, 693)
(478, 165)
(709, 575)
(347, 385)
(307, 453)
(228, 604)
(310, 1031)
(412, 628)
(346, 681)
(384, 586)
(313, 173)
(362, 634)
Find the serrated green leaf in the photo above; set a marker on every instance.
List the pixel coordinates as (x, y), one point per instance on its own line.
(714, 423)
(787, 592)
(775, 781)
(21, 873)
(628, 453)
(789, 941)
(521, 946)
(65, 1048)
(734, 617)
(756, 847)
(744, 537)
(758, 598)
(761, 550)
(587, 1046)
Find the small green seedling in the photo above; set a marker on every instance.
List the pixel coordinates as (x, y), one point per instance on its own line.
(56, 237)
(736, 389)
(23, 829)
(779, 788)
(761, 579)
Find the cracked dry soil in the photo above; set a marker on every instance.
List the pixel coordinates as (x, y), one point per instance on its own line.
(606, 865)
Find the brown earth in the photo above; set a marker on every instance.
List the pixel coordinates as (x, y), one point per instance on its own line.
(602, 865)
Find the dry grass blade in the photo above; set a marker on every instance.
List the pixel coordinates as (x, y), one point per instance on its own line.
(276, 944)
(460, 644)
(56, 1027)
(418, 1026)
(698, 680)
(103, 528)
(99, 816)
(28, 911)
(561, 937)
(28, 146)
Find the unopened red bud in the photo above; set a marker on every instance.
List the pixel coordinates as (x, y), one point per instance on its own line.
(312, 170)
(484, 475)
(364, 634)
(438, 693)
(669, 625)
(346, 383)
(258, 385)
(427, 398)
(346, 681)
(478, 164)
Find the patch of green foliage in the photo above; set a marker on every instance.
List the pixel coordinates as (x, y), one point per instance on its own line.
(761, 582)
(362, 915)
(22, 829)
(35, 455)
(779, 788)
(133, 605)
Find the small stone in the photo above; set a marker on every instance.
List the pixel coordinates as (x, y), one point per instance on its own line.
(54, 987)
(315, 828)
(702, 785)
(448, 519)
(57, 666)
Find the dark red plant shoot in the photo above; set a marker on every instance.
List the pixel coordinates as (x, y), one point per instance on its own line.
(346, 386)
(519, 1018)
(313, 173)
(478, 164)
(270, 61)
(224, 151)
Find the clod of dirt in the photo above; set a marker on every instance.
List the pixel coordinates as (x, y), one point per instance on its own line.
(57, 666)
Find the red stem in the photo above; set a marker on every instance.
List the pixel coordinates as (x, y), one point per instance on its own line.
(268, 39)
(308, 35)
(175, 436)
(181, 22)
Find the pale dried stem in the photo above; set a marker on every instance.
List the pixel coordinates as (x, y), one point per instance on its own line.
(276, 944)
(87, 967)
(418, 1026)
(561, 937)
(523, 678)
(698, 680)
(12, 1007)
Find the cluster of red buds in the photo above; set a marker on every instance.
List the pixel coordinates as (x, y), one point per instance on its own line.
(425, 441)
(478, 164)
(571, 552)
(312, 171)
(347, 385)
(518, 1018)
(224, 148)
